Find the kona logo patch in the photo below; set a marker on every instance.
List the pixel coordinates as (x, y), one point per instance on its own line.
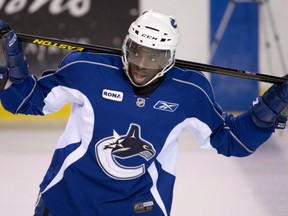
(112, 95)
(166, 106)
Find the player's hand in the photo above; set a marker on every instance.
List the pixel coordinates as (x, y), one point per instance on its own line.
(271, 108)
(4, 28)
(17, 66)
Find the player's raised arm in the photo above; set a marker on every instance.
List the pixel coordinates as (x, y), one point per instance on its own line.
(17, 68)
(270, 109)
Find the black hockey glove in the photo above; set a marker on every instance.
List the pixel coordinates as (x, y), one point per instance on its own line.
(271, 109)
(17, 66)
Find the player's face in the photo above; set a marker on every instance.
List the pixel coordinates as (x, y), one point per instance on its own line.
(141, 75)
(145, 63)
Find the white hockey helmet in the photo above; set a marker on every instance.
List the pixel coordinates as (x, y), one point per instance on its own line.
(156, 31)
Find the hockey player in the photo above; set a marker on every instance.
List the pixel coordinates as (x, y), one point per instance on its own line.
(117, 154)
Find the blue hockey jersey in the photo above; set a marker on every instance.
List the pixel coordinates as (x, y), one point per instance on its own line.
(118, 152)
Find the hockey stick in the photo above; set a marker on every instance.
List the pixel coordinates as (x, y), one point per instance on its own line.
(75, 46)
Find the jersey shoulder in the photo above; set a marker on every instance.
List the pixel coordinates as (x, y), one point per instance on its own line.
(102, 59)
(186, 78)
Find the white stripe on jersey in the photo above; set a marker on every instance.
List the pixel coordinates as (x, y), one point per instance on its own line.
(154, 176)
(82, 113)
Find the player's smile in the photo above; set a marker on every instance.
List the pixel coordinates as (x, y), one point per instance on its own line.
(139, 77)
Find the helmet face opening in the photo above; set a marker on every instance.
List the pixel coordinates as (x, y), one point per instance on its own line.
(146, 57)
(151, 43)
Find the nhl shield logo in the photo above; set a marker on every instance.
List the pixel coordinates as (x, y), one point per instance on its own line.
(140, 102)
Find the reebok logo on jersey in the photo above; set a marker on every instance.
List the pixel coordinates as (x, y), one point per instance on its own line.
(112, 95)
(166, 106)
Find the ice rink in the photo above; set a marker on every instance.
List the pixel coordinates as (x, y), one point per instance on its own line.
(207, 183)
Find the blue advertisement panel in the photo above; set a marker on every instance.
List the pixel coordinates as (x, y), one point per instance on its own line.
(234, 43)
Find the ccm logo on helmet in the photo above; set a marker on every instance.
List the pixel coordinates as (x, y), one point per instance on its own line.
(149, 37)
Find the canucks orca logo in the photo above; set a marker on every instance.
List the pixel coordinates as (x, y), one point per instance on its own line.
(173, 23)
(109, 149)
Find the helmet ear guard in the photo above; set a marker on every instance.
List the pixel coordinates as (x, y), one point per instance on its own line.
(156, 31)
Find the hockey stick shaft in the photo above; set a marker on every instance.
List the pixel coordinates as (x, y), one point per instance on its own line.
(75, 46)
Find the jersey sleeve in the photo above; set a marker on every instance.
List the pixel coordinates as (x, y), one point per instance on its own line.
(230, 135)
(33, 95)
(238, 135)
